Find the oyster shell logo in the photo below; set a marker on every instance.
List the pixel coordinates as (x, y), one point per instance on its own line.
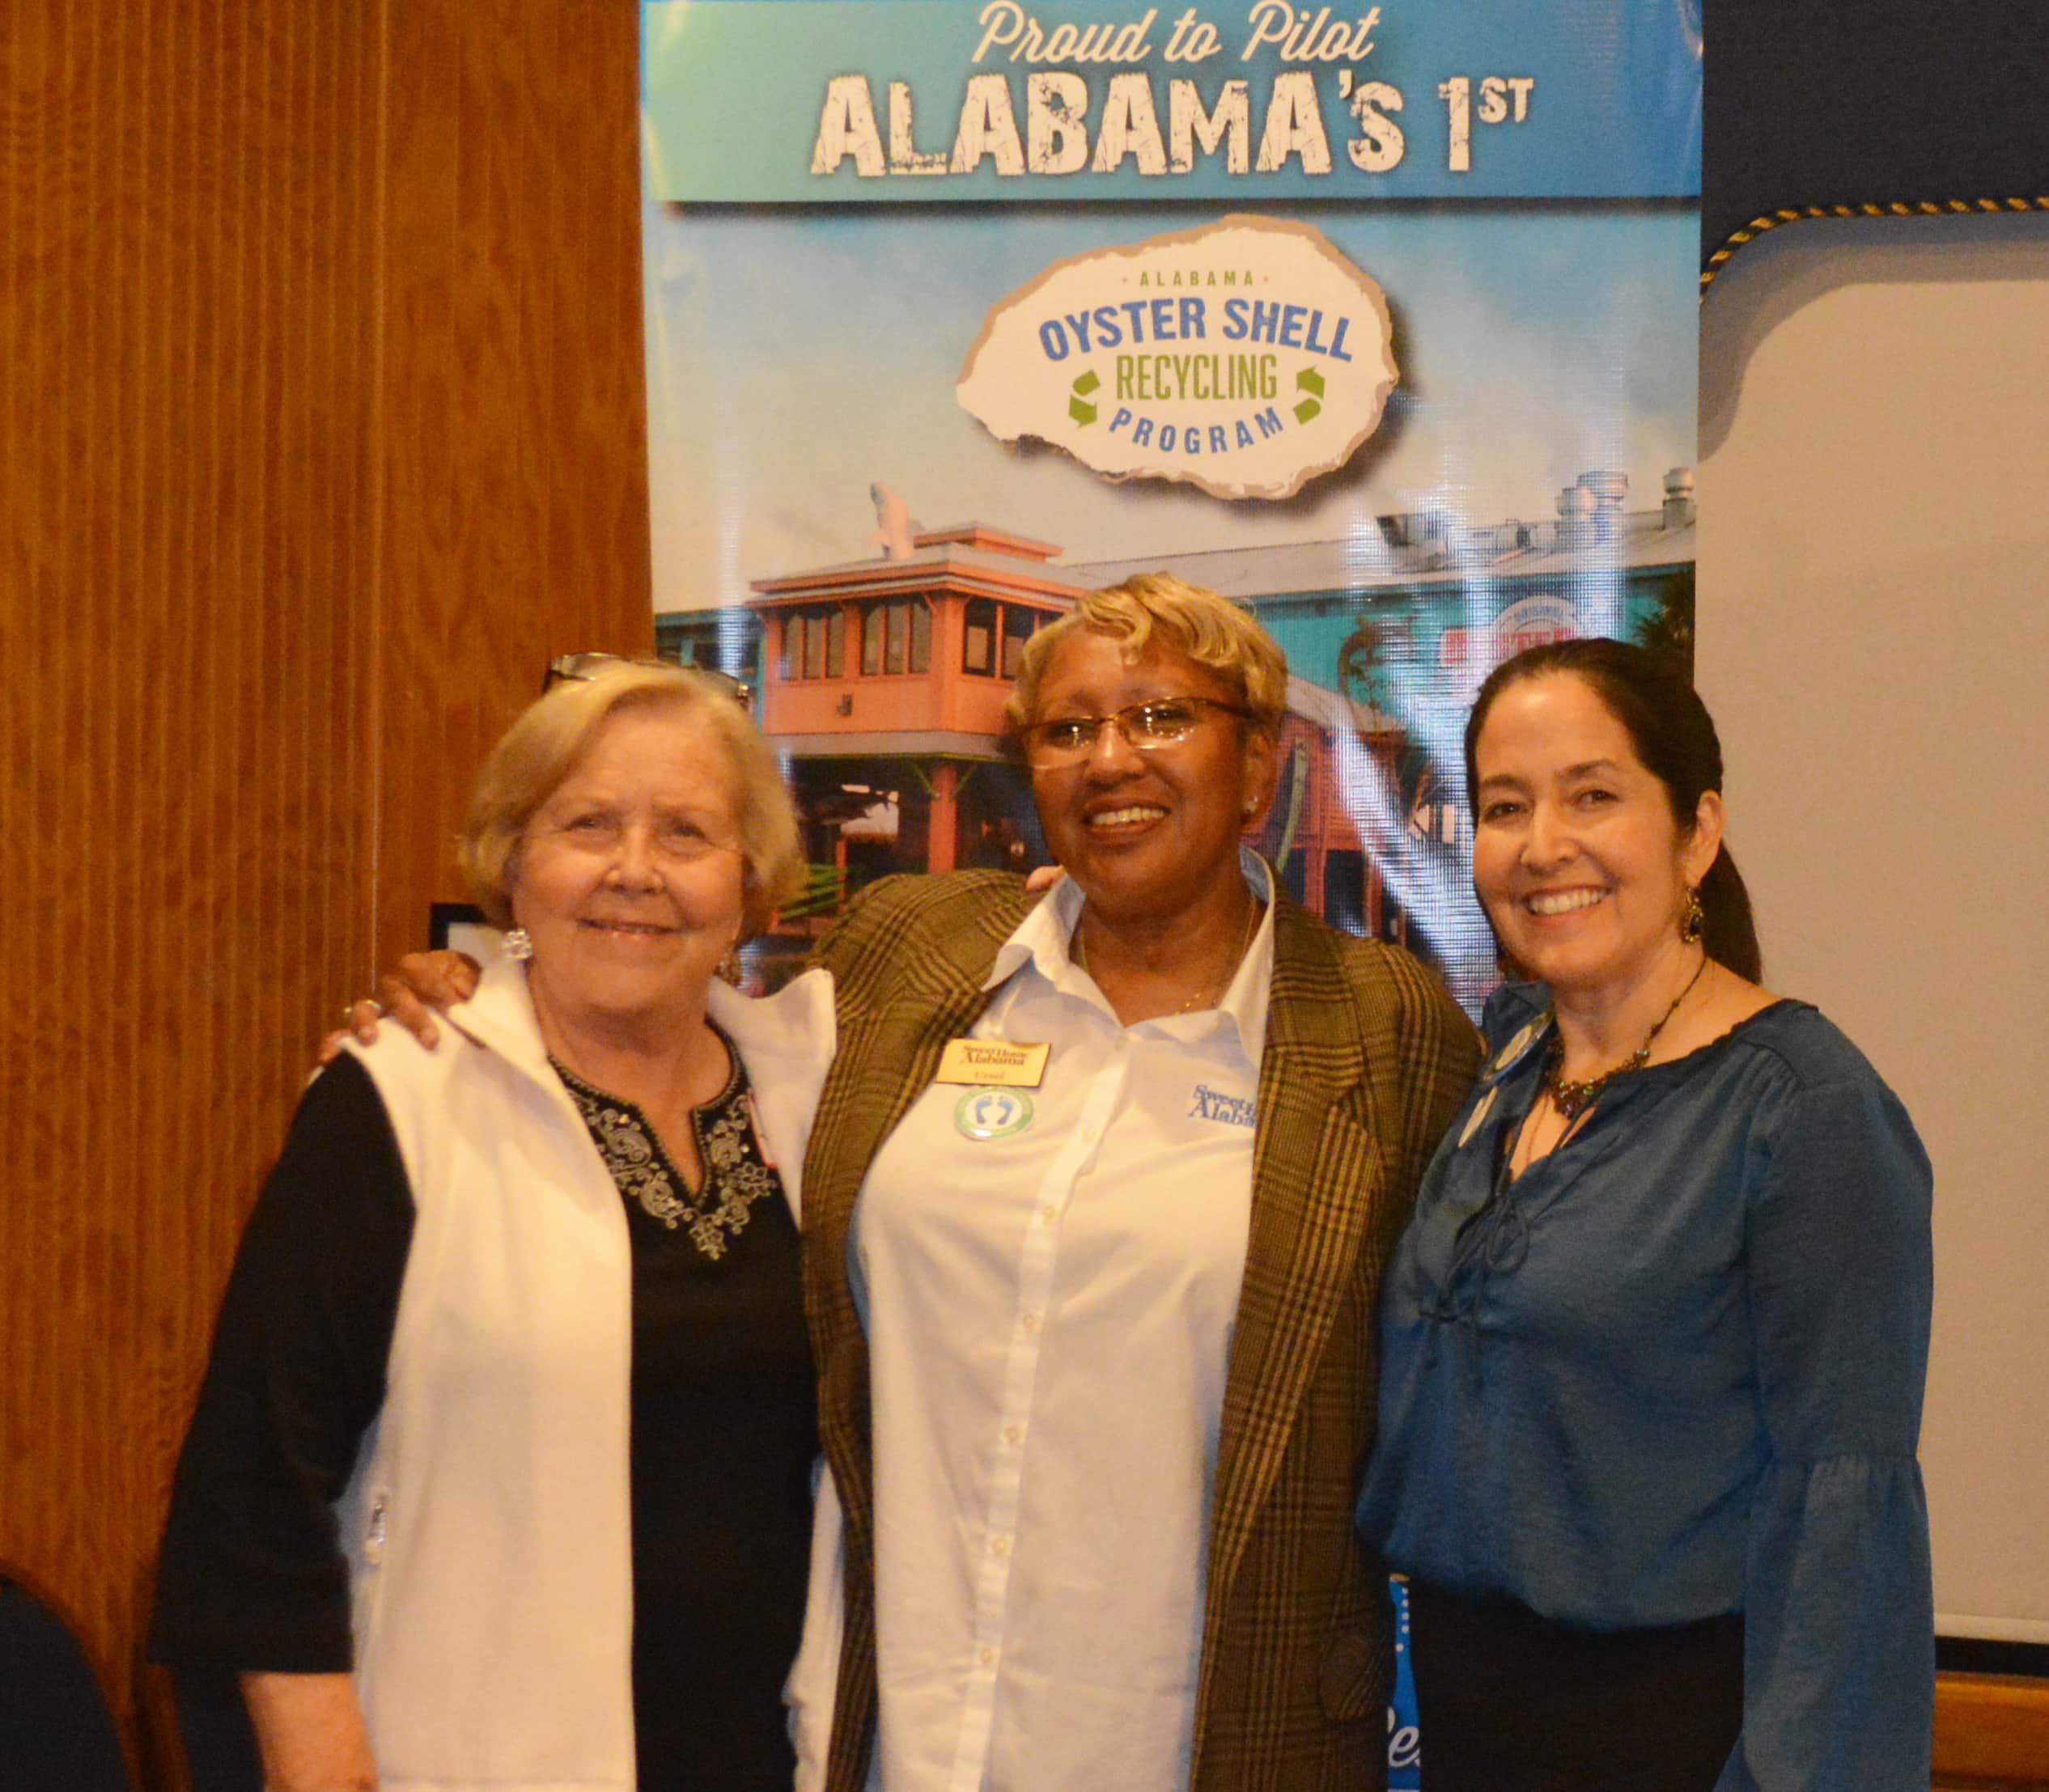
(1246, 358)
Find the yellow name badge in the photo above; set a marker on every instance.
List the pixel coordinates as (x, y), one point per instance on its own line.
(993, 1064)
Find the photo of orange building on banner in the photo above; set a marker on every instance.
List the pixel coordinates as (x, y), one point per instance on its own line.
(883, 680)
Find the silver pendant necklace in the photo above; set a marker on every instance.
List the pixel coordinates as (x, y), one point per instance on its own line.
(1209, 994)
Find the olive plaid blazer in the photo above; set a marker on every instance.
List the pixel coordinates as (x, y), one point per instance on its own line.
(1366, 1058)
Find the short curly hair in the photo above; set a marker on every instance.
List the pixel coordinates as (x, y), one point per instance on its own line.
(1191, 619)
(541, 749)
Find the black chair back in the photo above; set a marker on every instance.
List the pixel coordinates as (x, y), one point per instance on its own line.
(56, 1732)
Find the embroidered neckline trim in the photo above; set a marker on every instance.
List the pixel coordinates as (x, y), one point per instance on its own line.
(735, 1176)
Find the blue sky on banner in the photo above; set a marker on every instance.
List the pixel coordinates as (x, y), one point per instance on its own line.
(1598, 98)
(796, 356)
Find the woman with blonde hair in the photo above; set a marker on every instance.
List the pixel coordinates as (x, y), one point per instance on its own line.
(501, 1474)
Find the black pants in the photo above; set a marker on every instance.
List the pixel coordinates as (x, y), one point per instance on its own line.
(1508, 1701)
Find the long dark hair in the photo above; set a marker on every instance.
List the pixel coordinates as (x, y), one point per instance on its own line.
(1674, 736)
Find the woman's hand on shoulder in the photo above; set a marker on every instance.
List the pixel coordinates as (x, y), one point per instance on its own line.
(423, 984)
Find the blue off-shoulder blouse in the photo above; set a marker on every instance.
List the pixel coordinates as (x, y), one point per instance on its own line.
(1674, 1370)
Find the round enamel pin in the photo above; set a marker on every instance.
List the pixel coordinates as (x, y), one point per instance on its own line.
(992, 1114)
(1518, 1043)
(1479, 1115)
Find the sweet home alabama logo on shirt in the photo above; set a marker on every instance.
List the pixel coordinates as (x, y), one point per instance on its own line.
(1230, 1110)
(1246, 358)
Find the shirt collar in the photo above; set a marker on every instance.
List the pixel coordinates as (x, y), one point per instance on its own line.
(1041, 939)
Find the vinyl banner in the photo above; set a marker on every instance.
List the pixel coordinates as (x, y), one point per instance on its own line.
(1380, 320)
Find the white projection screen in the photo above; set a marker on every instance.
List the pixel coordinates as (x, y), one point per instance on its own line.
(1873, 630)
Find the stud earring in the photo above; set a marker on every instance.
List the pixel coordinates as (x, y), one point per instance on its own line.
(518, 944)
(1694, 922)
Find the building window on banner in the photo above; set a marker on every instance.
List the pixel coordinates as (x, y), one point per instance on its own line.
(814, 643)
(978, 639)
(896, 637)
(1019, 627)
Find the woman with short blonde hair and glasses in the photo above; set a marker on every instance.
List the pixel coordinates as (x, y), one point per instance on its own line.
(1096, 1339)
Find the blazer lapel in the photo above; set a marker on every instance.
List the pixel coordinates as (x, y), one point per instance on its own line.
(1313, 1154)
(912, 988)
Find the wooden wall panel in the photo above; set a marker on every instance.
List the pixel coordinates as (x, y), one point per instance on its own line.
(515, 433)
(186, 329)
(320, 427)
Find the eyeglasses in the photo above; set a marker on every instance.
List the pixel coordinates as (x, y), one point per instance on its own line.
(585, 667)
(1146, 727)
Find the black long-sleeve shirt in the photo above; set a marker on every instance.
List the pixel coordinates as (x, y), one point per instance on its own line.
(722, 1416)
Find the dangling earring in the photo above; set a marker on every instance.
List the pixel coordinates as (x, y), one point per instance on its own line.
(730, 969)
(518, 944)
(1694, 922)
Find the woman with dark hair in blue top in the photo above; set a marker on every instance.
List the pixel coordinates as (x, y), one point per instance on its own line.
(1652, 1347)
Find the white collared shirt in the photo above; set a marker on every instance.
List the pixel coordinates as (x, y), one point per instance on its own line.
(1048, 1310)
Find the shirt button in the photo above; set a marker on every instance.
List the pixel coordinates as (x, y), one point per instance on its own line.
(1013, 1435)
(985, 1654)
(1045, 1214)
(1030, 1322)
(999, 1547)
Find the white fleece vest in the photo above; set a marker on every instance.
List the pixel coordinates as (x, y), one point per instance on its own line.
(488, 1522)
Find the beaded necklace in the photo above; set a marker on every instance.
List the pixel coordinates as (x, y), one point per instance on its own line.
(1573, 1098)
